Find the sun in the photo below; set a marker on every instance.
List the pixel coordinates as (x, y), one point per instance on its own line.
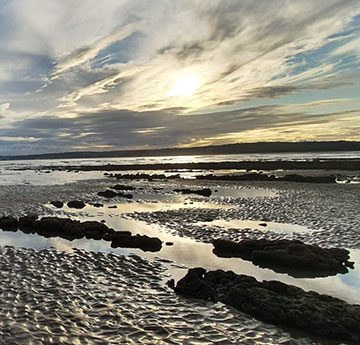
(185, 86)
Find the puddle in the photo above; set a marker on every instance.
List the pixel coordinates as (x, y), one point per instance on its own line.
(280, 228)
(147, 203)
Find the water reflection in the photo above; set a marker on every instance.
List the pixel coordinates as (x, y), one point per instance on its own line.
(282, 228)
(187, 253)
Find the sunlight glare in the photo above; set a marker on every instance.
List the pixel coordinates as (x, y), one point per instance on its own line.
(185, 85)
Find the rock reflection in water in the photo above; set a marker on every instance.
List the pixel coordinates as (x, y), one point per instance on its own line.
(187, 253)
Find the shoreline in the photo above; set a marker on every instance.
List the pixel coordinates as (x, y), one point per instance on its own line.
(323, 164)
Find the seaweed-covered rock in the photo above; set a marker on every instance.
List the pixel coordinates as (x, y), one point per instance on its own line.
(276, 303)
(290, 256)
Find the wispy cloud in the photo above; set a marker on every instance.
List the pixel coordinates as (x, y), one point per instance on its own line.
(63, 63)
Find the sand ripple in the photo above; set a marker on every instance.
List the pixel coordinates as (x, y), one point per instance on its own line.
(51, 297)
(330, 210)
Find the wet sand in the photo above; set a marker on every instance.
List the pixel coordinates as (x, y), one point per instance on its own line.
(121, 298)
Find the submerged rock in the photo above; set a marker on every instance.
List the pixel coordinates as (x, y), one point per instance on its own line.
(275, 302)
(287, 256)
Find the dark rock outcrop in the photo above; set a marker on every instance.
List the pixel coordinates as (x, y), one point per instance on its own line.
(108, 194)
(146, 243)
(96, 204)
(124, 195)
(57, 203)
(287, 256)
(123, 187)
(265, 177)
(9, 223)
(111, 194)
(76, 204)
(203, 192)
(74, 229)
(27, 222)
(276, 303)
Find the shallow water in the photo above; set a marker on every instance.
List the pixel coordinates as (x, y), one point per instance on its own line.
(281, 228)
(184, 252)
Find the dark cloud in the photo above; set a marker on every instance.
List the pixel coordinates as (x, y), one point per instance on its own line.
(124, 129)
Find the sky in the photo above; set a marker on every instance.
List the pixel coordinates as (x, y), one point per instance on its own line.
(136, 74)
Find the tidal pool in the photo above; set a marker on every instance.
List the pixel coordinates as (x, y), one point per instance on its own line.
(184, 253)
(281, 228)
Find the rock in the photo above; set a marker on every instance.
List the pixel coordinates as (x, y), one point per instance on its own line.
(263, 224)
(113, 206)
(204, 192)
(265, 177)
(171, 283)
(310, 179)
(27, 221)
(194, 285)
(57, 203)
(169, 244)
(96, 204)
(276, 303)
(146, 243)
(9, 223)
(76, 204)
(94, 230)
(74, 229)
(108, 194)
(287, 256)
(123, 187)
(123, 195)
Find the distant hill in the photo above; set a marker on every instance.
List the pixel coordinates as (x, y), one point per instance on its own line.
(260, 147)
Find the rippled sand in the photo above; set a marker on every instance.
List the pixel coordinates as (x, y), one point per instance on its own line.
(329, 211)
(54, 297)
(51, 297)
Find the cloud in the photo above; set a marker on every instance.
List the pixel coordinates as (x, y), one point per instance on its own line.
(73, 67)
(87, 53)
(125, 129)
(4, 107)
(352, 47)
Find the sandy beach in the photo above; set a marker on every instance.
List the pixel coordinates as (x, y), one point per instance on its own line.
(56, 291)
